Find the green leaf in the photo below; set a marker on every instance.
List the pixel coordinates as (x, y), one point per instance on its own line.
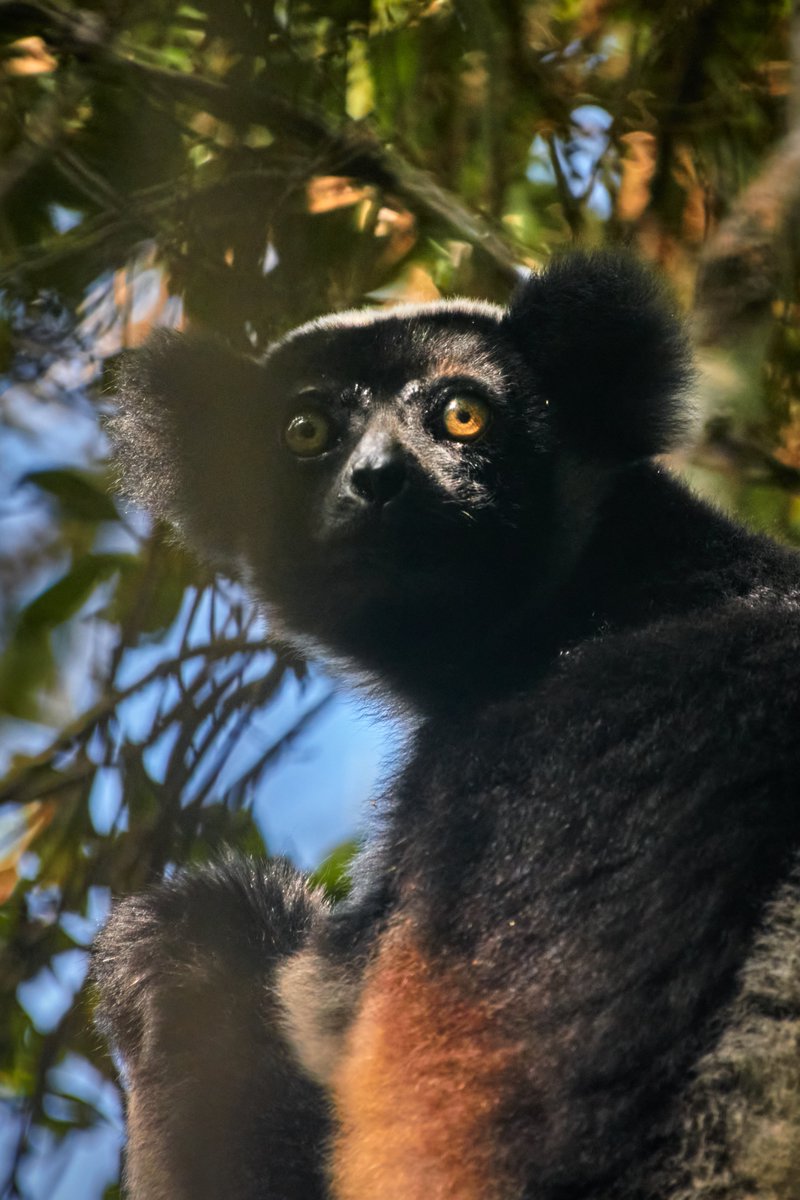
(81, 494)
(151, 594)
(26, 668)
(68, 594)
(334, 873)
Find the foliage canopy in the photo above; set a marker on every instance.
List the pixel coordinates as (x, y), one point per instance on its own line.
(243, 167)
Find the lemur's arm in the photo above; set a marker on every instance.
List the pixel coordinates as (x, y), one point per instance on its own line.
(217, 1103)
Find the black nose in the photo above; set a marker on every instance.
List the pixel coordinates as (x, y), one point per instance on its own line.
(378, 480)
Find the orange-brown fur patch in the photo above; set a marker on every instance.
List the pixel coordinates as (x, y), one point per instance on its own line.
(417, 1089)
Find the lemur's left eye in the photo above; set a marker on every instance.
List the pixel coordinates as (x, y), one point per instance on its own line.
(308, 433)
(465, 418)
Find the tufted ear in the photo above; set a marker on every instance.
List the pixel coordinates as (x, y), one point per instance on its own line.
(185, 433)
(609, 353)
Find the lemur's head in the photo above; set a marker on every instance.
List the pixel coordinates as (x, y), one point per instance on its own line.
(410, 462)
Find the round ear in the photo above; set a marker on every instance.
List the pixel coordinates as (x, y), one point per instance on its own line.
(608, 352)
(185, 433)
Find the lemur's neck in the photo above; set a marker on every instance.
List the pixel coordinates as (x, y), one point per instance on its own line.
(648, 550)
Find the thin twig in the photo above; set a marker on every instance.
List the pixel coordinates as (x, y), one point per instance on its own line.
(569, 204)
(81, 728)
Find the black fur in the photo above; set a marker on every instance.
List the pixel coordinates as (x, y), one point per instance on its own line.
(603, 797)
(605, 326)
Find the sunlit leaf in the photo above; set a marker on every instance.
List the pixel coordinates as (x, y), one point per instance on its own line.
(17, 832)
(334, 873)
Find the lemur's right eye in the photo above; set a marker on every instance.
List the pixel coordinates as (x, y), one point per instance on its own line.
(466, 417)
(308, 433)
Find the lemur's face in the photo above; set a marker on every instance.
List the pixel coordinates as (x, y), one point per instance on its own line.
(392, 443)
(399, 456)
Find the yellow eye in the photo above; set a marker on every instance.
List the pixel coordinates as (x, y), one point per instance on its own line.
(308, 434)
(465, 418)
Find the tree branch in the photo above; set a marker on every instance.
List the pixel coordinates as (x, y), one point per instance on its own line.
(351, 150)
(15, 785)
(720, 450)
(743, 265)
(569, 205)
(42, 132)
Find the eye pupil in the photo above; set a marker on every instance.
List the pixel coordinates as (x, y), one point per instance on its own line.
(465, 419)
